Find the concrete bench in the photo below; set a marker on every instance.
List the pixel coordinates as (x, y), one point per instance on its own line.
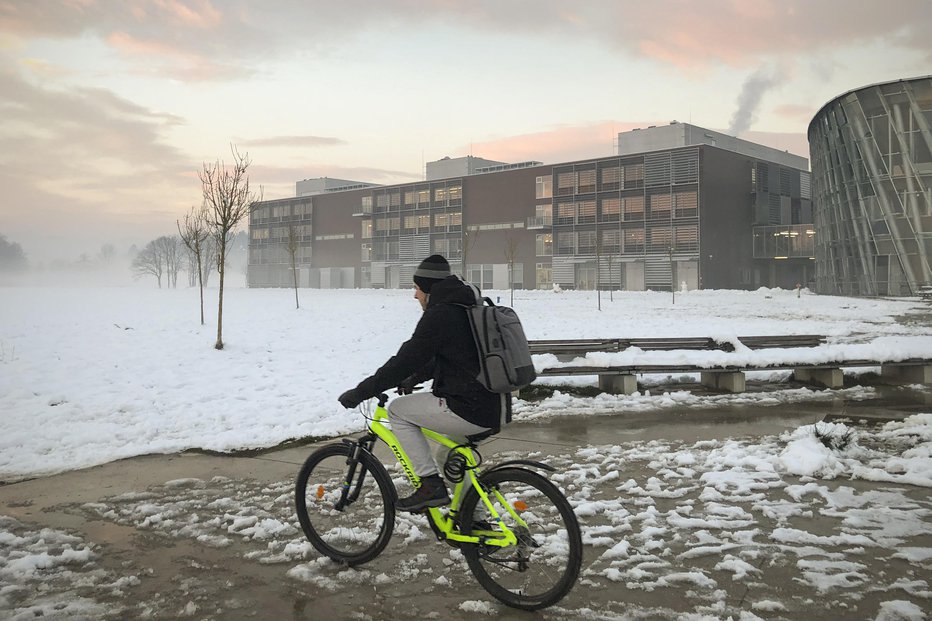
(620, 379)
(568, 349)
(925, 292)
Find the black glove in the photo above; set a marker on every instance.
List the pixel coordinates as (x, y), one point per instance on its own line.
(408, 386)
(351, 398)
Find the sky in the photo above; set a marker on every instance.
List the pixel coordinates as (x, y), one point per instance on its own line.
(111, 107)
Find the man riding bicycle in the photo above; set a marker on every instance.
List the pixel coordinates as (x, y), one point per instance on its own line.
(442, 349)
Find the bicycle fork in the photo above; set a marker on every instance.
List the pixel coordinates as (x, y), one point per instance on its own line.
(350, 492)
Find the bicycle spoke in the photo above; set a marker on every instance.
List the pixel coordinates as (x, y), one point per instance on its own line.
(349, 521)
(544, 564)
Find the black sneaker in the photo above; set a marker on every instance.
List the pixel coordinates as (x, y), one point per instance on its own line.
(431, 493)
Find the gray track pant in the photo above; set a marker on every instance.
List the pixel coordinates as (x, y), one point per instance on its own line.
(411, 412)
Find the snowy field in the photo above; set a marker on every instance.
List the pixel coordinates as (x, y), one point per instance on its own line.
(94, 374)
(763, 527)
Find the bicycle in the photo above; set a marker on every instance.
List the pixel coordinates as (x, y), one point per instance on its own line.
(513, 525)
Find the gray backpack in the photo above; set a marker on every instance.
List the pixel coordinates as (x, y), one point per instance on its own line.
(504, 356)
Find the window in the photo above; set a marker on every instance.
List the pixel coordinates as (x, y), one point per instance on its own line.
(611, 178)
(381, 202)
(410, 224)
(366, 252)
(566, 183)
(441, 195)
(659, 239)
(394, 199)
(566, 213)
(544, 245)
(685, 205)
(259, 234)
(544, 187)
(686, 238)
(410, 197)
(455, 192)
(585, 242)
(366, 232)
(611, 241)
(585, 181)
(611, 210)
(280, 211)
(634, 241)
(480, 275)
(544, 275)
(451, 220)
(660, 206)
(566, 242)
(585, 212)
(634, 176)
(633, 208)
(450, 248)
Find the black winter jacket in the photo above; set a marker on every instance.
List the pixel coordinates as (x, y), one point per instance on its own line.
(442, 349)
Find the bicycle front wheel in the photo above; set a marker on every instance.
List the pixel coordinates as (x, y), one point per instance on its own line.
(544, 565)
(346, 518)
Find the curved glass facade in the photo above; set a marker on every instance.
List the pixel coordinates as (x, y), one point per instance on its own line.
(871, 154)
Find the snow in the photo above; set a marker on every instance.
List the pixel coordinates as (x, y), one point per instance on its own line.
(91, 375)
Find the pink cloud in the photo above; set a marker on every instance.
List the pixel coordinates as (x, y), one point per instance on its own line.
(560, 144)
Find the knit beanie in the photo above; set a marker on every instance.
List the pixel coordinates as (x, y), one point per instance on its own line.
(431, 270)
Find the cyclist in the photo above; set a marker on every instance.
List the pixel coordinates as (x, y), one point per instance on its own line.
(442, 349)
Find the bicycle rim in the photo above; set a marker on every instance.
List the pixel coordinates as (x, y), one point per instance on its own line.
(360, 530)
(543, 567)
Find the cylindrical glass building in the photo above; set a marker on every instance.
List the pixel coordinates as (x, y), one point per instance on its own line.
(871, 158)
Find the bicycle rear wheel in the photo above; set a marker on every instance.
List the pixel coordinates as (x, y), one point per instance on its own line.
(349, 521)
(543, 567)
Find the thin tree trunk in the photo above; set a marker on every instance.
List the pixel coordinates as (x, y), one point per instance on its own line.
(219, 343)
(200, 282)
(294, 272)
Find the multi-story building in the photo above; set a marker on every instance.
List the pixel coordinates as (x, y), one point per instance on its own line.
(678, 205)
(871, 154)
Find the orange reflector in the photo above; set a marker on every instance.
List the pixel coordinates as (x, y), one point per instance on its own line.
(520, 505)
(320, 492)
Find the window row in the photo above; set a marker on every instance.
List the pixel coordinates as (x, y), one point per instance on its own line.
(392, 201)
(300, 210)
(424, 223)
(618, 241)
(395, 250)
(596, 179)
(299, 231)
(628, 209)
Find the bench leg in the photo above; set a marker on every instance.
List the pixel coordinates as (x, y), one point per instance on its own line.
(618, 384)
(729, 381)
(829, 378)
(908, 373)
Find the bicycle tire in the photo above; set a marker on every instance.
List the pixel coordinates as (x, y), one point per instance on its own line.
(358, 532)
(552, 549)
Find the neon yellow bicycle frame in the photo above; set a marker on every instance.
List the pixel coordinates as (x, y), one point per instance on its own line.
(446, 523)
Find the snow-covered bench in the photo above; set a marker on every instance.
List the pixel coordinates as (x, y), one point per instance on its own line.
(616, 362)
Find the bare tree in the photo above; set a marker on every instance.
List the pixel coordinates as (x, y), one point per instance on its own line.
(228, 199)
(107, 253)
(511, 249)
(470, 237)
(292, 247)
(170, 247)
(209, 256)
(194, 233)
(149, 261)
